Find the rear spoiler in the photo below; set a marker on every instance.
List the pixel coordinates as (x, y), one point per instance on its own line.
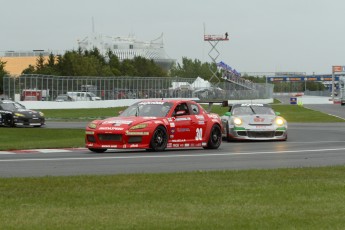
(211, 102)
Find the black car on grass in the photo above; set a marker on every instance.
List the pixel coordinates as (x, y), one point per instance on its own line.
(14, 114)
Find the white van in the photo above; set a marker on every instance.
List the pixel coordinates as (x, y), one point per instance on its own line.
(83, 96)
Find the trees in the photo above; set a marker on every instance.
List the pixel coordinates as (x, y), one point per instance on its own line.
(192, 69)
(3, 72)
(92, 63)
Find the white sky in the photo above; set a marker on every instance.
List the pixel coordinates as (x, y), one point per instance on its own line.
(265, 35)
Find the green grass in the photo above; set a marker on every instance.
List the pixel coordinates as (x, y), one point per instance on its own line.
(32, 138)
(81, 114)
(299, 198)
(57, 138)
(292, 113)
(310, 198)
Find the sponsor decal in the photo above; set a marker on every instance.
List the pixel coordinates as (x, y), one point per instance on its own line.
(259, 119)
(204, 144)
(172, 136)
(186, 145)
(108, 146)
(172, 130)
(181, 145)
(183, 119)
(213, 116)
(179, 140)
(169, 145)
(110, 128)
(200, 117)
(151, 103)
(150, 117)
(176, 145)
(201, 122)
(181, 130)
(134, 146)
(118, 122)
(172, 125)
(128, 133)
(90, 132)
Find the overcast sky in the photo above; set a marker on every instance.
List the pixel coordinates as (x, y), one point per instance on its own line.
(265, 35)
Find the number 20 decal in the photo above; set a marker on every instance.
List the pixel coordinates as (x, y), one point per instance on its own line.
(198, 136)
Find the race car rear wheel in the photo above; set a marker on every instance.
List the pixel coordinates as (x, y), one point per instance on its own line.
(97, 150)
(159, 139)
(215, 138)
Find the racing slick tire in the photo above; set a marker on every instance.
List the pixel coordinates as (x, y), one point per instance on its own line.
(159, 140)
(97, 150)
(215, 138)
(8, 121)
(228, 139)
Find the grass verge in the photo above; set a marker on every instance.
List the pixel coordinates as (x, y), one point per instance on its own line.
(32, 138)
(309, 198)
(292, 113)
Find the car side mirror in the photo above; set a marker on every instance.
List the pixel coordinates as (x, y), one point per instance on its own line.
(229, 114)
(277, 113)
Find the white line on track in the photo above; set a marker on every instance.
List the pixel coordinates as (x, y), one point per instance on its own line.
(168, 156)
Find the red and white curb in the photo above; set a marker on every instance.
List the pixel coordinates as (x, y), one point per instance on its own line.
(31, 151)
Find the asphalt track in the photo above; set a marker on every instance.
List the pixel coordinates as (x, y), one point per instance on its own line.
(308, 145)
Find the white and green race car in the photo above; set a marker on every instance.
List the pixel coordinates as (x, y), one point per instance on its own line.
(253, 122)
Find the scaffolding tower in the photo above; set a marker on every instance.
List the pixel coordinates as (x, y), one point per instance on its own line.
(213, 40)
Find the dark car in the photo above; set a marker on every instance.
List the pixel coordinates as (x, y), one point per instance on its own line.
(15, 114)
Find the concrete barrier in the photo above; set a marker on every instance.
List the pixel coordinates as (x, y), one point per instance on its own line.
(84, 104)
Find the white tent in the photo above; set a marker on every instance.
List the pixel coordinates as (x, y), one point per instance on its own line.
(200, 83)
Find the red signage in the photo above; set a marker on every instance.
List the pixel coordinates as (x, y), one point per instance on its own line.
(338, 68)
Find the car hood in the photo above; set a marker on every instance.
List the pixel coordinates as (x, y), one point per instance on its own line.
(125, 122)
(28, 112)
(258, 119)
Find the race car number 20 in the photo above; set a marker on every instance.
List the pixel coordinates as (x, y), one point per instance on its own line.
(198, 136)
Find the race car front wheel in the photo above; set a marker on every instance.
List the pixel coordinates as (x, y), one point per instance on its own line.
(215, 138)
(159, 139)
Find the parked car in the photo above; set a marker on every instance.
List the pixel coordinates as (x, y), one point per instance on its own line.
(63, 97)
(155, 125)
(15, 114)
(253, 122)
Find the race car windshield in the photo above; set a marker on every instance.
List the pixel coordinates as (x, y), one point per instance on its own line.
(250, 110)
(147, 109)
(12, 106)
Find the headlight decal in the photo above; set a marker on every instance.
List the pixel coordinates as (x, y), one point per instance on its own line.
(19, 115)
(92, 125)
(139, 126)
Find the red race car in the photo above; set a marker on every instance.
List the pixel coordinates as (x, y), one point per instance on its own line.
(155, 125)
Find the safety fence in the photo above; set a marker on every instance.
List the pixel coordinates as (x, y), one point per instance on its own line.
(47, 87)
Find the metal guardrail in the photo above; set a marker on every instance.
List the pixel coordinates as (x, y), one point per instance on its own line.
(112, 88)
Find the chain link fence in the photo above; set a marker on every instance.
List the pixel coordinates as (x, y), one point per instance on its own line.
(46, 87)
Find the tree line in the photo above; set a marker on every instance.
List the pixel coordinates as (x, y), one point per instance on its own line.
(93, 63)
